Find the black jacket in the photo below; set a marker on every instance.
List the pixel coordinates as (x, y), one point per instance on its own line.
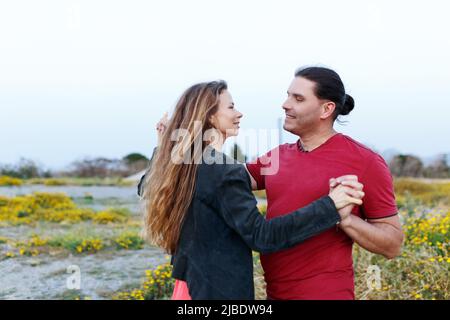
(223, 226)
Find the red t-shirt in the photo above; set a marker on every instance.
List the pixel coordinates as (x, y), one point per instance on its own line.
(322, 266)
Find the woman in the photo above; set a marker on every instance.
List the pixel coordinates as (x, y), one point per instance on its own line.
(200, 207)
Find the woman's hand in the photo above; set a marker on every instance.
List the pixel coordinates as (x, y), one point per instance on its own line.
(343, 196)
(161, 127)
(346, 193)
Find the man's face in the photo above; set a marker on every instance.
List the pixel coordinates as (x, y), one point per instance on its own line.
(302, 107)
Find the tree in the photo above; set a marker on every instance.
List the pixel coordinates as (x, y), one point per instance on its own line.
(135, 162)
(134, 157)
(25, 169)
(406, 166)
(98, 167)
(439, 168)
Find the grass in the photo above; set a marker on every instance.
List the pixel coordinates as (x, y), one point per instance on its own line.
(72, 295)
(67, 181)
(86, 182)
(75, 241)
(421, 272)
(260, 194)
(53, 207)
(158, 285)
(425, 193)
(10, 181)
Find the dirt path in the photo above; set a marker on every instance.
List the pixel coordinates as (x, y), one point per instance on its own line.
(102, 274)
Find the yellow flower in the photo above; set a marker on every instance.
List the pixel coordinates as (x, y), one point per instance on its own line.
(9, 181)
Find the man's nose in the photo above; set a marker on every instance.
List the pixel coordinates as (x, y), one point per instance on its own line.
(286, 106)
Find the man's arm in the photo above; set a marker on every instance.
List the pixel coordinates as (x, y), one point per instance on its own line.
(381, 236)
(253, 181)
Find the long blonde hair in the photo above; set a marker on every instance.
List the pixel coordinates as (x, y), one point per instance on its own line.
(169, 187)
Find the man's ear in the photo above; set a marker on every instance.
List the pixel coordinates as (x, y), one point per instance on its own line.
(327, 109)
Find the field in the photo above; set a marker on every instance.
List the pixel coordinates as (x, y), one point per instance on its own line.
(47, 226)
(44, 229)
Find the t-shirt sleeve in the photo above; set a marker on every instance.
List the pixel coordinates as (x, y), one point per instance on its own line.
(379, 200)
(255, 171)
(259, 169)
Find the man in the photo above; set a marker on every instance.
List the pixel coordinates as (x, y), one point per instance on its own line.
(322, 267)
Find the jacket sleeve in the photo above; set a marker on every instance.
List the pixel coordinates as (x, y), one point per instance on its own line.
(141, 184)
(237, 205)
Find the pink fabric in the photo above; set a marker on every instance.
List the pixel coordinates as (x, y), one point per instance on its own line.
(181, 291)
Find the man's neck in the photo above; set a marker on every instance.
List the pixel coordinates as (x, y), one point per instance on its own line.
(313, 140)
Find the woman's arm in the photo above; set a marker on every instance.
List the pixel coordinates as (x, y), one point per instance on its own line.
(239, 210)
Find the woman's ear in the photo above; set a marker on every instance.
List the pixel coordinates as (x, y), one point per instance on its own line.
(212, 120)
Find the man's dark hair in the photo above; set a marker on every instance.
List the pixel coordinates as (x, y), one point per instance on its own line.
(328, 86)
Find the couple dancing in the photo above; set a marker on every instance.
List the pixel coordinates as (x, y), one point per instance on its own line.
(200, 207)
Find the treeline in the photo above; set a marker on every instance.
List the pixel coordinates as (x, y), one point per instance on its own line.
(412, 166)
(400, 166)
(84, 168)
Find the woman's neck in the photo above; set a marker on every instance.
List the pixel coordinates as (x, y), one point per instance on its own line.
(217, 142)
(218, 145)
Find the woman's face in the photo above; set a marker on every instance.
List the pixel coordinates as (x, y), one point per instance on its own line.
(226, 120)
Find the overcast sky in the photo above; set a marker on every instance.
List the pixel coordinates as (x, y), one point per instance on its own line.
(91, 78)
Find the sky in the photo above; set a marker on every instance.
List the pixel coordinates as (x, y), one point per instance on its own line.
(91, 78)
